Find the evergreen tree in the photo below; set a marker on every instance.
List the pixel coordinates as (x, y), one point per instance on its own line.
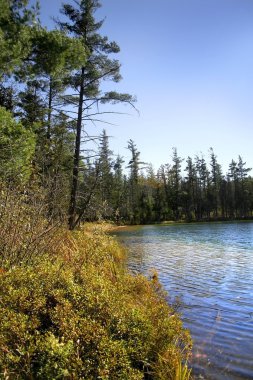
(105, 164)
(216, 178)
(134, 190)
(118, 189)
(243, 202)
(161, 199)
(16, 23)
(191, 189)
(203, 206)
(147, 190)
(233, 189)
(52, 58)
(6, 97)
(164, 173)
(98, 67)
(175, 183)
(31, 106)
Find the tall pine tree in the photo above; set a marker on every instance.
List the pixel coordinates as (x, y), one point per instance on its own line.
(87, 81)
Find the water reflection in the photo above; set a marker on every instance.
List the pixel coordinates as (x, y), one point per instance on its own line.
(210, 267)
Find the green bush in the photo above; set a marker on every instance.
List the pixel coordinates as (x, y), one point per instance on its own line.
(17, 145)
(82, 316)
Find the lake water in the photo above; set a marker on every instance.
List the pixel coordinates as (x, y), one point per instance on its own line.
(209, 266)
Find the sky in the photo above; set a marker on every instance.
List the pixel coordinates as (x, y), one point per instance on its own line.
(190, 65)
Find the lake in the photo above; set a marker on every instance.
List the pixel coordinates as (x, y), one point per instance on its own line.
(208, 267)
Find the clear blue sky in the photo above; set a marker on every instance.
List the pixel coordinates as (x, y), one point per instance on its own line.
(190, 64)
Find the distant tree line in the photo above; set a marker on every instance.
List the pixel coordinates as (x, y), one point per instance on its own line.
(50, 90)
(196, 191)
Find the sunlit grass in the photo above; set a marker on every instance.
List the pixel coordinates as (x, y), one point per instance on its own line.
(78, 313)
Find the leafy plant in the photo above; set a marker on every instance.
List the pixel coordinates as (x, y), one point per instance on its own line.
(82, 315)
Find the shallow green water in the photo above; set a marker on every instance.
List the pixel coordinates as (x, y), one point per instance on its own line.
(210, 267)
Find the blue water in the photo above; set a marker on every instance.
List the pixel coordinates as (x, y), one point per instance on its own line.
(209, 268)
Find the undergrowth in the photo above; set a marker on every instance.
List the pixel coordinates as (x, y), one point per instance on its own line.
(80, 315)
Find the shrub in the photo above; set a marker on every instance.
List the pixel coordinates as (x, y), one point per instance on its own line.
(26, 233)
(82, 316)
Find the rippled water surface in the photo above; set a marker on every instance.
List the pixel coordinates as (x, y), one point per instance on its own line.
(210, 267)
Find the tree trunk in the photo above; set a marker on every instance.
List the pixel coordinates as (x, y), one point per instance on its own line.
(49, 112)
(74, 186)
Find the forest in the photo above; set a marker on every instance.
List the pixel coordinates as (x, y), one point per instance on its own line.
(51, 89)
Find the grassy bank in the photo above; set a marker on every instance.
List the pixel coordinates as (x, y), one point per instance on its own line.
(78, 314)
